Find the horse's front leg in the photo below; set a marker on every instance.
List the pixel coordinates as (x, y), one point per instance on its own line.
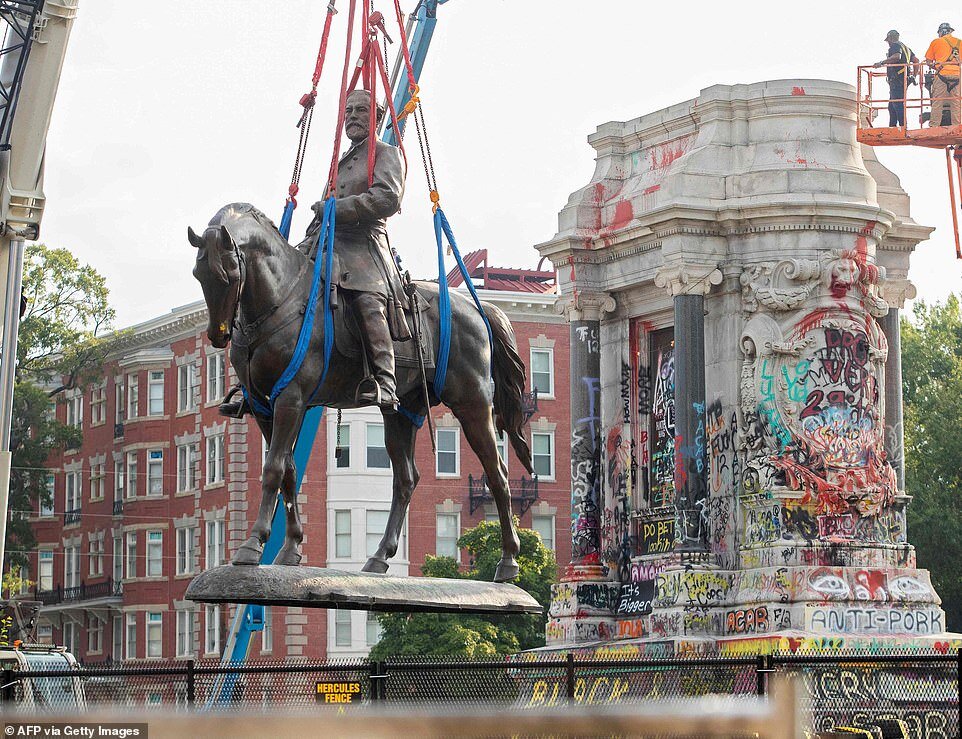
(290, 553)
(288, 414)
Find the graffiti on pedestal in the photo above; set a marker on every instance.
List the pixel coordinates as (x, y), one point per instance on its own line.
(663, 424)
(585, 481)
(811, 401)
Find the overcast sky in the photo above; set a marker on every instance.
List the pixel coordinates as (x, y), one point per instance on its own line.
(167, 111)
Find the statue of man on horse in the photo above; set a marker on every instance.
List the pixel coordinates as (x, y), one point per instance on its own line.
(365, 271)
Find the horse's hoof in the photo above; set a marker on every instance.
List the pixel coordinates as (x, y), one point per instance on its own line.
(288, 556)
(248, 553)
(376, 565)
(507, 570)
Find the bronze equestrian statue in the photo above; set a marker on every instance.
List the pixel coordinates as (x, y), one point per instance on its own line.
(256, 286)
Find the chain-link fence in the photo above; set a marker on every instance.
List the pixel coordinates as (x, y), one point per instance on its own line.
(914, 696)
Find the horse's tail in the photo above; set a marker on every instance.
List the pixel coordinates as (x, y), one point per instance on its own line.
(509, 379)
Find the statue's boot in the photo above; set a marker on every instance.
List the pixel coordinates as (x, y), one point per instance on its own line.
(370, 312)
(234, 408)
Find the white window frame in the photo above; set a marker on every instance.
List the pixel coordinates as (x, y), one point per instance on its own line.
(216, 376)
(551, 384)
(212, 629)
(95, 634)
(447, 432)
(155, 472)
(133, 395)
(188, 379)
(130, 555)
(155, 553)
(45, 633)
(117, 638)
(95, 562)
(70, 639)
(372, 622)
(184, 640)
(368, 447)
(98, 473)
(130, 635)
(378, 532)
(340, 536)
(554, 530)
(188, 465)
(337, 463)
(216, 465)
(46, 510)
(214, 544)
(155, 379)
(117, 559)
(342, 619)
(185, 551)
(71, 566)
(98, 405)
(456, 515)
(131, 474)
(501, 441)
(154, 642)
(267, 633)
(73, 492)
(120, 405)
(119, 490)
(45, 570)
(75, 409)
(552, 455)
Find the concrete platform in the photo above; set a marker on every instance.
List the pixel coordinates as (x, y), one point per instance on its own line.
(318, 587)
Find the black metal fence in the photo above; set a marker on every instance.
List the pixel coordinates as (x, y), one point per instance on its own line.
(920, 690)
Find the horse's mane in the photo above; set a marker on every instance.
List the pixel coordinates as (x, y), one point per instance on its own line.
(234, 212)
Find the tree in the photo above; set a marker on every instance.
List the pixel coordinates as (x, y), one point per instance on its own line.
(61, 346)
(932, 391)
(442, 634)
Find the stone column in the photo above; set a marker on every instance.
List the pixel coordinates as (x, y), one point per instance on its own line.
(584, 316)
(895, 293)
(688, 284)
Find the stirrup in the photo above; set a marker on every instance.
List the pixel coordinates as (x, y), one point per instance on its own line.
(377, 397)
(235, 409)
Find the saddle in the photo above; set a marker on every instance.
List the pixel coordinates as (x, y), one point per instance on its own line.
(347, 335)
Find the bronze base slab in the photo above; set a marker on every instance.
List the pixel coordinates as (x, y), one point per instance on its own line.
(319, 587)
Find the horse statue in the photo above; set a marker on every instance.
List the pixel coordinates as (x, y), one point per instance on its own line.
(256, 285)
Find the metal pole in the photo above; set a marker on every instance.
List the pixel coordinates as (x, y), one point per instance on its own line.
(570, 675)
(8, 363)
(190, 685)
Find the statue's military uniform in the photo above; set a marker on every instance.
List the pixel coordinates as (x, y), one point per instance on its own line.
(364, 269)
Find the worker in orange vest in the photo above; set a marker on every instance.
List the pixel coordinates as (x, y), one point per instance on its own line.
(943, 56)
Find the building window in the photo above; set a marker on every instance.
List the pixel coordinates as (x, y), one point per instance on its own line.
(448, 527)
(342, 534)
(72, 486)
(70, 640)
(215, 377)
(267, 635)
(215, 459)
(212, 633)
(215, 544)
(96, 557)
(75, 409)
(131, 474)
(118, 560)
(118, 402)
(95, 634)
(46, 500)
(116, 638)
(185, 550)
(375, 525)
(342, 447)
(71, 566)
(185, 633)
(45, 571)
(542, 371)
(448, 460)
(501, 440)
(544, 525)
(187, 381)
(130, 649)
(155, 634)
(155, 393)
(373, 629)
(342, 628)
(377, 458)
(118, 479)
(187, 467)
(155, 553)
(155, 472)
(542, 454)
(133, 396)
(98, 405)
(98, 472)
(45, 634)
(131, 554)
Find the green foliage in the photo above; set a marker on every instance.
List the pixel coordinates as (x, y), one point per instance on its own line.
(59, 347)
(932, 387)
(437, 634)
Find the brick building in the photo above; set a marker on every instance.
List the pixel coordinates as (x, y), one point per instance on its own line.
(163, 487)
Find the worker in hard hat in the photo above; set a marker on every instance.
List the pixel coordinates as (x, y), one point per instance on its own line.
(943, 56)
(900, 74)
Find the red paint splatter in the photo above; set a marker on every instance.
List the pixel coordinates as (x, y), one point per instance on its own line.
(624, 214)
(650, 190)
(664, 156)
(798, 91)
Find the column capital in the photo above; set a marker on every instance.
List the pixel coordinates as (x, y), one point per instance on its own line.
(585, 305)
(688, 278)
(896, 291)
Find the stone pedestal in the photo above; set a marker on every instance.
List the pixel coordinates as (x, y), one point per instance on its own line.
(750, 485)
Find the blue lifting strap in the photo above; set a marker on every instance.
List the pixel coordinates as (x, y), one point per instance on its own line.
(325, 255)
(444, 301)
